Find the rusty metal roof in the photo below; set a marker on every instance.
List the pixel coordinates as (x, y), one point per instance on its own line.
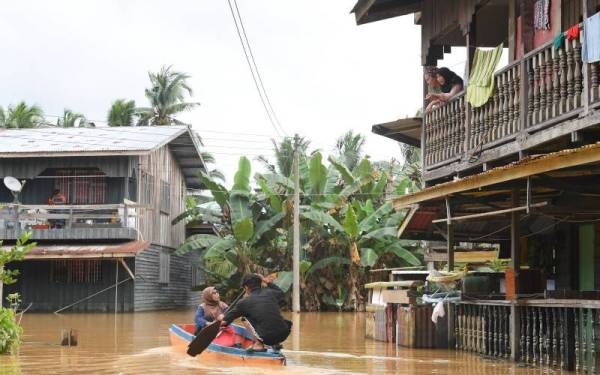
(122, 250)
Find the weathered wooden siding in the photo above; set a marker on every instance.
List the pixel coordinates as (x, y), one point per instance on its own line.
(154, 224)
(36, 287)
(150, 294)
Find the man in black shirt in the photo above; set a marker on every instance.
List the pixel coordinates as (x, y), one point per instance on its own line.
(260, 310)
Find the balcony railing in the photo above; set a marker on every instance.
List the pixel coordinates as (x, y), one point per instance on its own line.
(540, 90)
(561, 334)
(70, 222)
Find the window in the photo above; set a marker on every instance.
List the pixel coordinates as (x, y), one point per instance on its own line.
(164, 267)
(76, 271)
(147, 189)
(165, 197)
(80, 185)
(197, 275)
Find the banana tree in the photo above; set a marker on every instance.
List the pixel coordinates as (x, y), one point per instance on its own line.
(244, 226)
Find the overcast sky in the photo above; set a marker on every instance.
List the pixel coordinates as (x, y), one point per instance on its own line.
(324, 74)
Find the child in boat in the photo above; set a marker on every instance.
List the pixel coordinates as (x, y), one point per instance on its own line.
(260, 312)
(211, 309)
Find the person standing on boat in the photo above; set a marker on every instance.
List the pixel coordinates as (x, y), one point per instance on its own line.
(211, 309)
(260, 312)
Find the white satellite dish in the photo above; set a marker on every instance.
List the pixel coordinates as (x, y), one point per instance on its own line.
(12, 184)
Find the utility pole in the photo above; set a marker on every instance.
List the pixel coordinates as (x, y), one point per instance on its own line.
(296, 253)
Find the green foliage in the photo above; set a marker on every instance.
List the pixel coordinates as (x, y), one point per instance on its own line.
(72, 119)
(350, 223)
(284, 280)
(166, 96)
(121, 113)
(10, 330)
(21, 116)
(347, 225)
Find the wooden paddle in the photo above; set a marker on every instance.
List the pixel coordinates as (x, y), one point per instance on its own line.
(208, 333)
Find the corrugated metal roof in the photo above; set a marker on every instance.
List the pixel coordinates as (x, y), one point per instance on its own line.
(86, 140)
(407, 130)
(123, 250)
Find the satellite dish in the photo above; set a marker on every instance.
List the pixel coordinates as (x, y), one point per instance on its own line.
(12, 184)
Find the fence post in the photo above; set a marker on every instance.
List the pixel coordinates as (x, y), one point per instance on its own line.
(70, 217)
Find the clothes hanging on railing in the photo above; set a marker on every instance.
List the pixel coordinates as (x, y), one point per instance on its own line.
(573, 32)
(541, 17)
(481, 81)
(591, 42)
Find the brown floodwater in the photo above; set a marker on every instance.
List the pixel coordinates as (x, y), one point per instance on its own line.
(321, 343)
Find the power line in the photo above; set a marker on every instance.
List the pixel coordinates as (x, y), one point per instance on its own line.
(256, 68)
(122, 129)
(254, 78)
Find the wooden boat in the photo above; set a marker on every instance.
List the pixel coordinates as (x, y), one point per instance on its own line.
(222, 348)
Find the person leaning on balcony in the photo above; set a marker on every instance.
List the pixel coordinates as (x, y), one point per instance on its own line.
(433, 87)
(450, 84)
(56, 199)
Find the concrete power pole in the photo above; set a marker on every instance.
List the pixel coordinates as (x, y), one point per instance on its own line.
(296, 253)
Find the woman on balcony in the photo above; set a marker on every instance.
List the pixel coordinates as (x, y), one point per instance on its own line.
(450, 84)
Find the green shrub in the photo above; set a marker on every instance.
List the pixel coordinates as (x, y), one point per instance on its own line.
(10, 331)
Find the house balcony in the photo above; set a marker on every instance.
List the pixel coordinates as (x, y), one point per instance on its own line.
(70, 222)
(545, 102)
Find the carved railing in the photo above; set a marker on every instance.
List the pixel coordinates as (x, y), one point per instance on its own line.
(555, 82)
(483, 329)
(545, 87)
(563, 335)
(445, 131)
(594, 82)
(499, 117)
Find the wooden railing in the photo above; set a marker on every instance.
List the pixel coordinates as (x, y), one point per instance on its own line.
(25, 217)
(445, 131)
(483, 329)
(543, 88)
(555, 82)
(594, 82)
(563, 335)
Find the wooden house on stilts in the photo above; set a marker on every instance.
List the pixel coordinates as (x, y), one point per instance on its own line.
(105, 241)
(520, 171)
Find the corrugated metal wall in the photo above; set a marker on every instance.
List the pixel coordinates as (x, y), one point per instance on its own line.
(149, 294)
(35, 286)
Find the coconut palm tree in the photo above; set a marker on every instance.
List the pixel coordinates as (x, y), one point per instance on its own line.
(121, 113)
(284, 154)
(21, 116)
(167, 98)
(349, 149)
(71, 119)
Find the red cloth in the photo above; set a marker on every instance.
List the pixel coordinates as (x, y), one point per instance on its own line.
(573, 32)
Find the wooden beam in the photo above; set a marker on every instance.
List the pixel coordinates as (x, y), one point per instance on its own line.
(515, 254)
(491, 213)
(548, 163)
(450, 314)
(407, 220)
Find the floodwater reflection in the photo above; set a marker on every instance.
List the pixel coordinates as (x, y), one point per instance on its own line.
(321, 343)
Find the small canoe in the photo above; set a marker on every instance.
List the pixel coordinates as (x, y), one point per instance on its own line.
(223, 346)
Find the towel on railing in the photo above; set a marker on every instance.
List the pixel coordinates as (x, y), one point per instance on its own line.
(591, 36)
(481, 81)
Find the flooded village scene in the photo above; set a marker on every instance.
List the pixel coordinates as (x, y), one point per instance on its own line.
(300, 187)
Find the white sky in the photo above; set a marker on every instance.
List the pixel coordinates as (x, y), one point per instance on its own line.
(324, 74)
